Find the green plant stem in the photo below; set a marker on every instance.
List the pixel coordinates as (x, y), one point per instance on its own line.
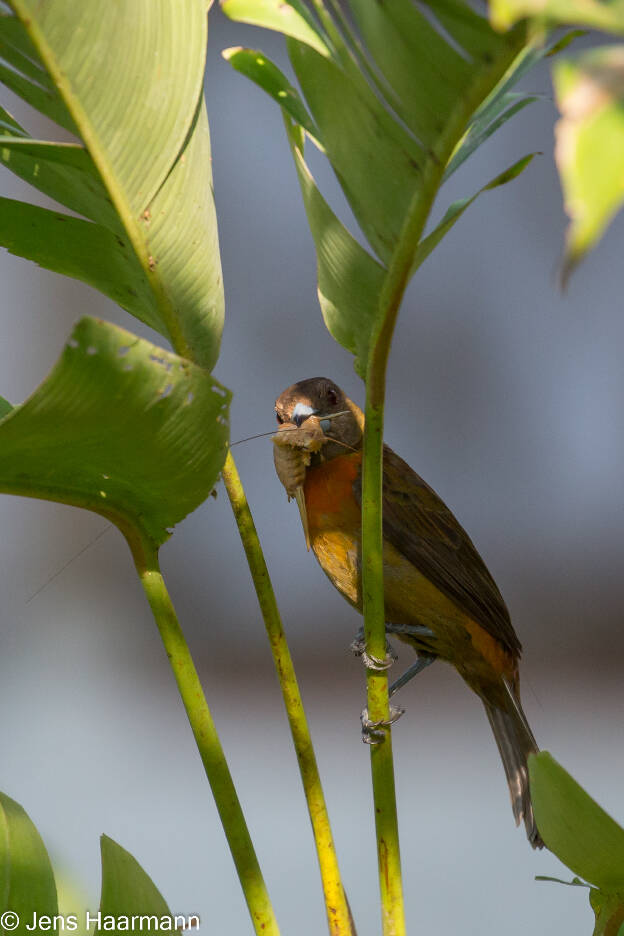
(209, 746)
(396, 280)
(338, 913)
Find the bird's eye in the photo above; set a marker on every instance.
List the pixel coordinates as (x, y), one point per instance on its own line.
(279, 418)
(332, 396)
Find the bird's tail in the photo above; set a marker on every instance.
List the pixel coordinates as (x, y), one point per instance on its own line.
(515, 742)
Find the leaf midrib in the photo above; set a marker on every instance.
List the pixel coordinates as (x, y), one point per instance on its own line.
(109, 180)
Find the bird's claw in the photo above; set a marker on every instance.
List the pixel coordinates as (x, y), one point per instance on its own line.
(374, 732)
(372, 662)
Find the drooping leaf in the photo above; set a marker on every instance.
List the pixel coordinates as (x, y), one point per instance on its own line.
(579, 832)
(120, 427)
(129, 85)
(590, 144)
(127, 892)
(26, 877)
(257, 67)
(290, 18)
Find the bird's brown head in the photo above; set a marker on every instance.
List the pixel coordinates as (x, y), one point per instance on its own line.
(317, 421)
(325, 411)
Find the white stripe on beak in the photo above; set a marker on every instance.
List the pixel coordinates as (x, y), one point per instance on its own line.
(302, 410)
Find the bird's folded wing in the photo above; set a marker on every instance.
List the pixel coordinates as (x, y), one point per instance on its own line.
(418, 523)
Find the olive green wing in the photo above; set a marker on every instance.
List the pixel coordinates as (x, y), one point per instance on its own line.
(418, 523)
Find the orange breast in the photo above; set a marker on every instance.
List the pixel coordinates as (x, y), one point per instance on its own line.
(329, 494)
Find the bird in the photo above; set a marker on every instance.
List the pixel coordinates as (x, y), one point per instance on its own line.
(439, 596)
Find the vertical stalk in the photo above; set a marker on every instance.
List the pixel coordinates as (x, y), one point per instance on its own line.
(208, 744)
(382, 765)
(338, 913)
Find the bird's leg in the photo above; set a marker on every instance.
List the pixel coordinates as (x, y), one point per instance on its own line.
(358, 646)
(424, 660)
(375, 732)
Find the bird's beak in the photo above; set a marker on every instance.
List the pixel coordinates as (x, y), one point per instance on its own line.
(300, 498)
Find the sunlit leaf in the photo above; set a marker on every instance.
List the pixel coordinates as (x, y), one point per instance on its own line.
(261, 70)
(120, 427)
(592, 13)
(141, 170)
(590, 144)
(290, 18)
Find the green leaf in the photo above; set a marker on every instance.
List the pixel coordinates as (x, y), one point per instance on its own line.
(609, 911)
(130, 85)
(5, 407)
(502, 104)
(595, 14)
(291, 19)
(376, 161)
(127, 891)
(261, 70)
(575, 882)
(456, 210)
(579, 832)
(64, 172)
(85, 251)
(392, 102)
(482, 129)
(590, 144)
(26, 877)
(398, 35)
(349, 279)
(121, 427)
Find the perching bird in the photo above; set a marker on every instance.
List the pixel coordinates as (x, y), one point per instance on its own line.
(439, 596)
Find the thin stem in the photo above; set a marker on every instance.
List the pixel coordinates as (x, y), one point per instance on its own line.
(211, 752)
(338, 913)
(382, 767)
(396, 280)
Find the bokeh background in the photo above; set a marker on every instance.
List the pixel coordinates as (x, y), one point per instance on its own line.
(504, 393)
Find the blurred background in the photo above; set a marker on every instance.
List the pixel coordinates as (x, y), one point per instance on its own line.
(504, 393)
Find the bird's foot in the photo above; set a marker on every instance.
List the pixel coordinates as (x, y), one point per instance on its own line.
(374, 732)
(358, 647)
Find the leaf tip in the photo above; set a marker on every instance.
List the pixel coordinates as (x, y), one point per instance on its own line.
(228, 53)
